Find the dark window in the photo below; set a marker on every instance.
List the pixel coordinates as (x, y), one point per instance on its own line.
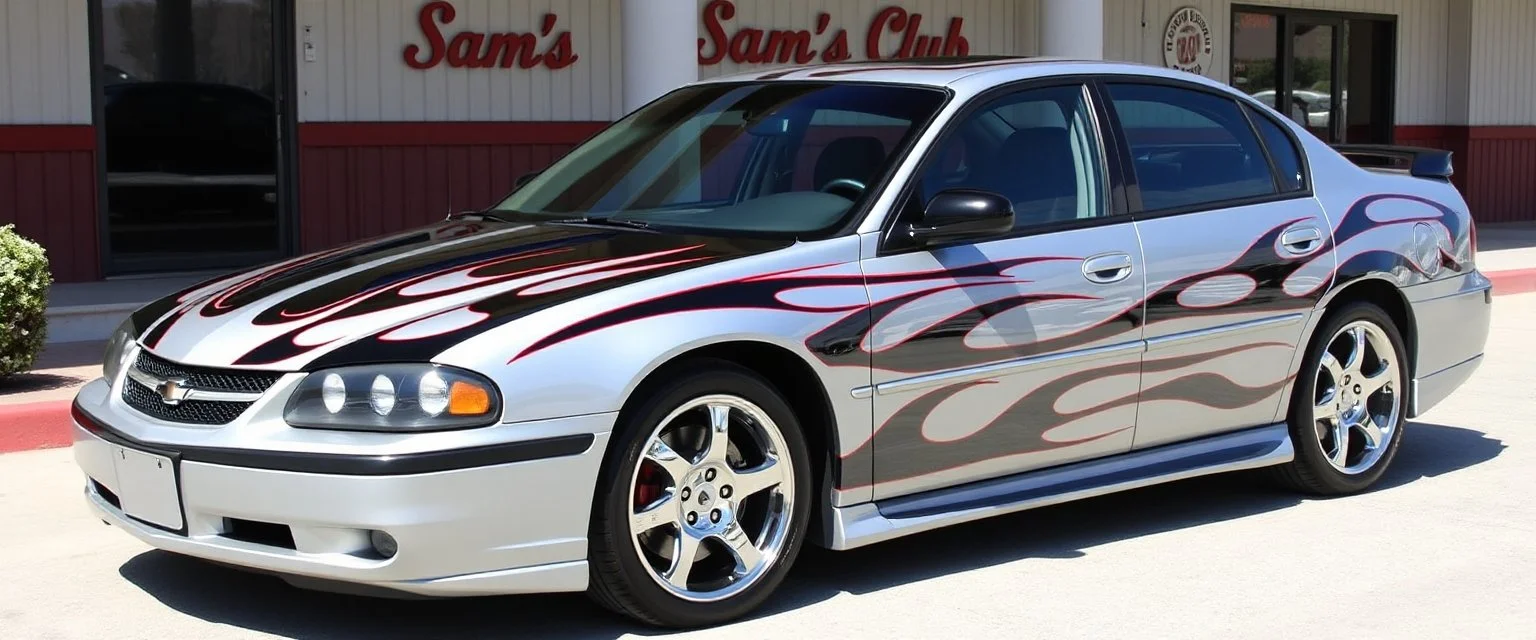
(1189, 147)
(1287, 157)
(1038, 148)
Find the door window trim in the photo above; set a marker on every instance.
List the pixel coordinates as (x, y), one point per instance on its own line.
(1114, 193)
(1132, 186)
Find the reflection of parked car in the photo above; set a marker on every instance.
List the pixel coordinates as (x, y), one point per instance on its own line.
(1310, 108)
(190, 160)
(189, 128)
(836, 304)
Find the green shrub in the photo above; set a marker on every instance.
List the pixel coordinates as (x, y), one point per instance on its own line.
(24, 280)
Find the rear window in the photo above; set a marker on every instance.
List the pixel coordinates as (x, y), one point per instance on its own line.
(1189, 147)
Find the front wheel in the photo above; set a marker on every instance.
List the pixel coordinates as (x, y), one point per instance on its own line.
(702, 503)
(1350, 403)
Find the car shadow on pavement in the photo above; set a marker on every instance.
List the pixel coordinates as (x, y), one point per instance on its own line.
(262, 603)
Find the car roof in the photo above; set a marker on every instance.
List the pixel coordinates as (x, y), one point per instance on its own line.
(955, 72)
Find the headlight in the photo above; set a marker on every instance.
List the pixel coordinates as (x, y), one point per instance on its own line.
(118, 348)
(393, 397)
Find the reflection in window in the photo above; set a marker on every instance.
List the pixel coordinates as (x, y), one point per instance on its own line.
(1037, 148)
(190, 132)
(1189, 147)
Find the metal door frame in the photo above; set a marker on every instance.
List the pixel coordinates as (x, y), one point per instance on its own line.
(285, 88)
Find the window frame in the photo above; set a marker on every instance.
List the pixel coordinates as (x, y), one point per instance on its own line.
(1132, 183)
(1117, 205)
(1250, 112)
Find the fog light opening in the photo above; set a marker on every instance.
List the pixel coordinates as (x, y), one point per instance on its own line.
(383, 544)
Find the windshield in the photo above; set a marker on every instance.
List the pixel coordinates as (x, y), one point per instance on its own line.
(785, 157)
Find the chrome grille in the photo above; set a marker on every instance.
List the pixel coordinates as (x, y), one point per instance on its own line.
(141, 393)
(206, 378)
(205, 412)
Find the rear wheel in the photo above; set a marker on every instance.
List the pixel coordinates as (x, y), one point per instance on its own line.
(703, 502)
(1350, 403)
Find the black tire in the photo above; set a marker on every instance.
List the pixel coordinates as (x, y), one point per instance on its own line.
(619, 582)
(1310, 472)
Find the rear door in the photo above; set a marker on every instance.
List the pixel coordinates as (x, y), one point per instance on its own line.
(1226, 220)
(1014, 352)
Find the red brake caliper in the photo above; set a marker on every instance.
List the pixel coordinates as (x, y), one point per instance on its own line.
(648, 485)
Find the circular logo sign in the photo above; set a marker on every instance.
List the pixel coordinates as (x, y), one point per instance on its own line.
(1187, 41)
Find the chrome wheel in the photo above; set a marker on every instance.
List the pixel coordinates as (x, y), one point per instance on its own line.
(1357, 407)
(711, 498)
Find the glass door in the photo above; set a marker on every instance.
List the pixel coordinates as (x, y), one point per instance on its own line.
(1311, 76)
(190, 119)
(1331, 72)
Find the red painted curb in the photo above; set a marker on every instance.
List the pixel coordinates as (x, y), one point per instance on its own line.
(1513, 281)
(35, 425)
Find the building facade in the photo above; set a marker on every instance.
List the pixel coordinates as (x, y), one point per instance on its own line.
(151, 136)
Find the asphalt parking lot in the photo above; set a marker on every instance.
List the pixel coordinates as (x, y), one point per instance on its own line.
(1445, 548)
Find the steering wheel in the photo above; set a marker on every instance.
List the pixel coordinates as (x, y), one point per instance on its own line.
(848, 187)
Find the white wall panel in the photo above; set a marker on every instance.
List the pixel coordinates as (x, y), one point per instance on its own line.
(1503, 85)
(1422, 32)
(990, 26)
(360, 74)
(44, 62)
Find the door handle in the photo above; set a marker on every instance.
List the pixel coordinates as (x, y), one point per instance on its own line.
(1108, 268)
(1301, 240)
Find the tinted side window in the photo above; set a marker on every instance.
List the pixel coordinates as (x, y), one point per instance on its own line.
(1287, 157)
(1037, 147)
(1189, 147)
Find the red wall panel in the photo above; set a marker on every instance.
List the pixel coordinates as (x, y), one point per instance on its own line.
(48, 189)
(1494, 166)
(359, 180)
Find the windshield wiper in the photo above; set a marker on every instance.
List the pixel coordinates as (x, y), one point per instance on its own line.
(595, 221)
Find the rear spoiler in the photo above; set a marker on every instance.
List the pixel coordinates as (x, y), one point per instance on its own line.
(1422, 162)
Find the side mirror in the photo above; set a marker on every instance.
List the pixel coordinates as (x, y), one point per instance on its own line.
(525, 179)
(957, 214)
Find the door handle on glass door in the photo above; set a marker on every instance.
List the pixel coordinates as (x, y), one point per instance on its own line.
(1108, 268)
(1302, 240)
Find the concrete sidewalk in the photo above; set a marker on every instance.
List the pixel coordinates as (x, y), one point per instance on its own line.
(1507, 254)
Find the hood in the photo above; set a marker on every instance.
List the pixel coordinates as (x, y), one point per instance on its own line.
(411, 296)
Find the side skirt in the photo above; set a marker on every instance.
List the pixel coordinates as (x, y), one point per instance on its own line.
(862, 524)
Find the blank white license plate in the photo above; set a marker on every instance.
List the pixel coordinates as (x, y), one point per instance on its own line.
(146, 487)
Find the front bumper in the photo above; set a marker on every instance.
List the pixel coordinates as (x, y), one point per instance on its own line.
(507, 514)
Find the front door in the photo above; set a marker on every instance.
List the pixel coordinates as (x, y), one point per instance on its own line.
(190, 117)
(1003, 355)
(1227, 226)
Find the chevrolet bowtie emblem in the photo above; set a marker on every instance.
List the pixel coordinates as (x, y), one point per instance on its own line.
(172, 391)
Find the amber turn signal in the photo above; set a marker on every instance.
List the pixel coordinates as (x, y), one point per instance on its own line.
(468, 399)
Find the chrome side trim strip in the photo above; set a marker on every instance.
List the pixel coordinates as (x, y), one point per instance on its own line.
(868, 523)
(1007, 367)
(193, 394)
(1201, 335)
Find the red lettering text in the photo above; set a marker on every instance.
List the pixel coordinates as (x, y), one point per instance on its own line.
(476, 50)
(896, 21)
